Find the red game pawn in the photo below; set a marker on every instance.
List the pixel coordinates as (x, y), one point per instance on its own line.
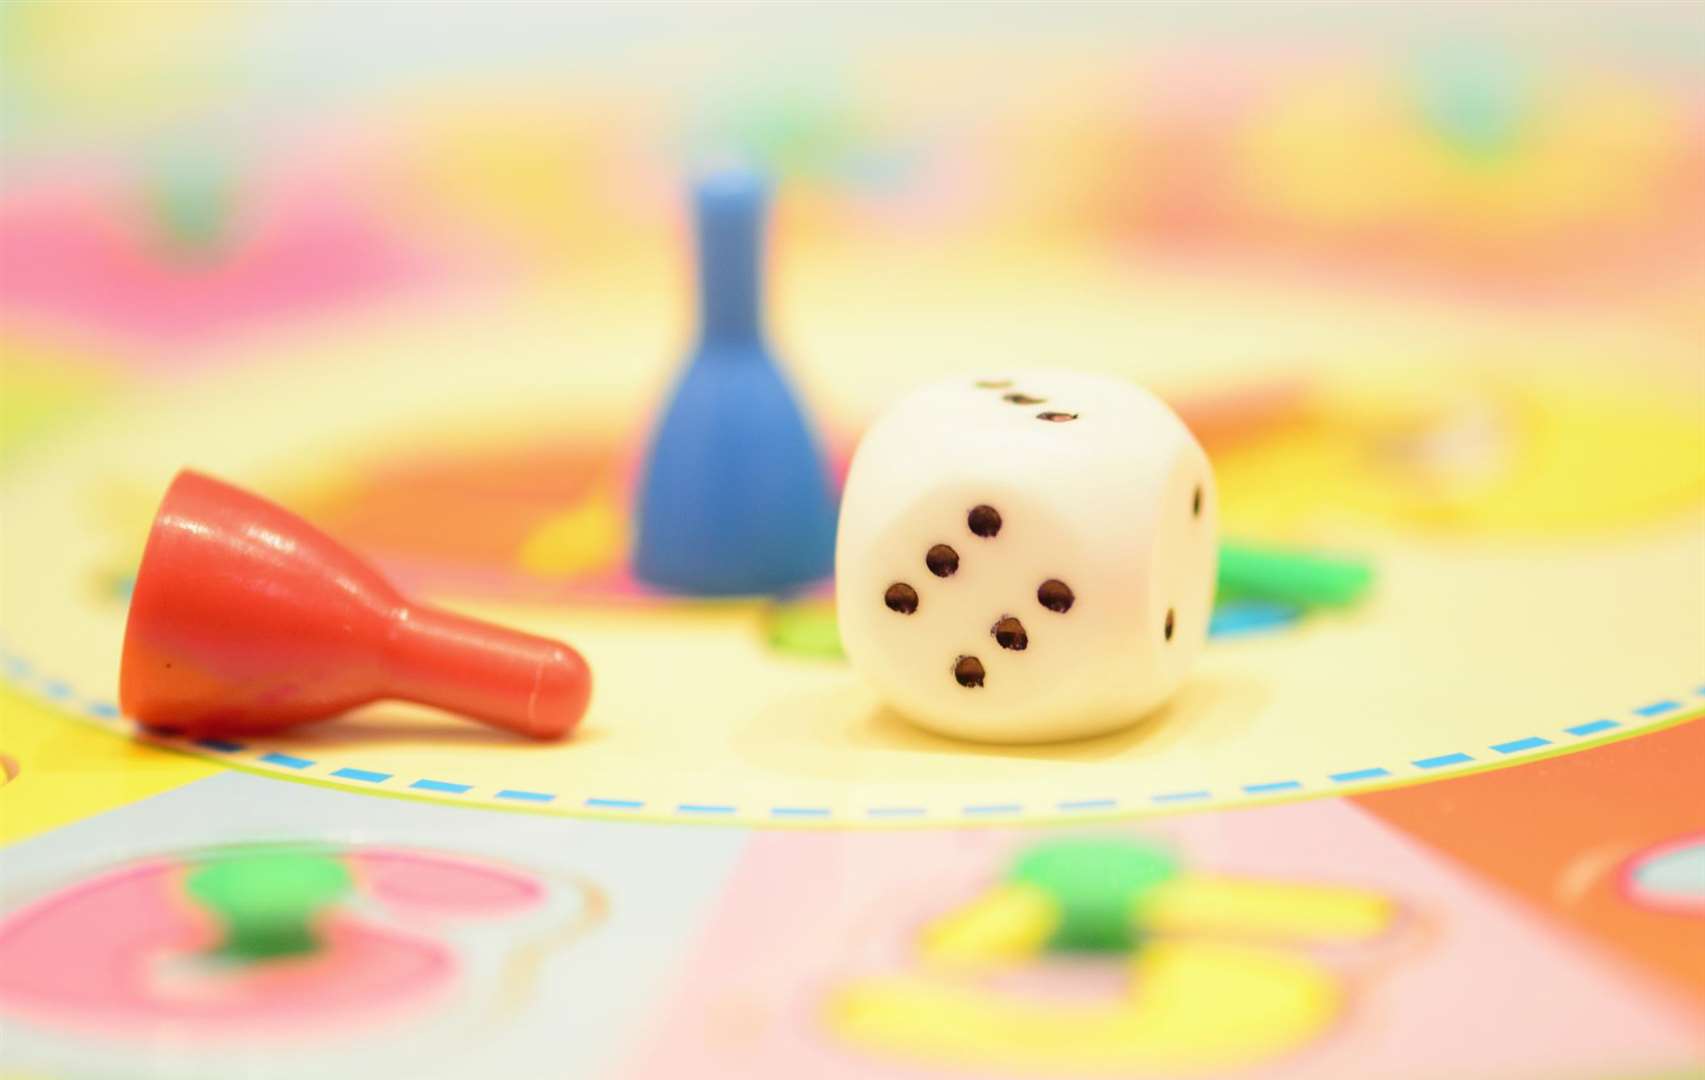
(246, 619)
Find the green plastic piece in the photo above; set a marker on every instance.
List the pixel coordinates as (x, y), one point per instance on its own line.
(806, 629)
(1476, 97)
(268, 899)
(1099, 885)
(1303, 578)
(193, 200)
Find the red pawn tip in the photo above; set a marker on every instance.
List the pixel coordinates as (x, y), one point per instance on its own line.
(245, 619)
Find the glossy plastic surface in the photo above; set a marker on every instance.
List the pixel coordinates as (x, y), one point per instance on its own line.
(246, 619)
(735, 497)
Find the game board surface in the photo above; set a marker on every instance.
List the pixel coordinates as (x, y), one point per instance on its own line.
(1455, 827)
(1409, 684)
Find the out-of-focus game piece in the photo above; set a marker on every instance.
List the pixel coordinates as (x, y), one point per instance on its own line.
(1099, 885)
(192, 197)
(1026, 557)
(806, 628)
(267, 900)
(265, 959)
(735, 498)
(1111, 894)
(246, 619)
(1214, 970)
(1306, 579)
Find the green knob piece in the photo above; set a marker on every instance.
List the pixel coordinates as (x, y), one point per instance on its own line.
(268, 899)
(192, 198)
(1306, 579)
(1099, 885)
(806, 629)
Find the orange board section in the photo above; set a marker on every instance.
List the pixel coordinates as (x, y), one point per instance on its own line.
(1611, 840)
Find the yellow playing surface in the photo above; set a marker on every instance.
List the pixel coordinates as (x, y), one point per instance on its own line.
(1497, 629)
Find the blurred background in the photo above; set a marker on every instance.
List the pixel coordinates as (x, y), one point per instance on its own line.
(1166, 190)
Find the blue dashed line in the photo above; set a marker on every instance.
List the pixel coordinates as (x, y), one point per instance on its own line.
(702, 808)
(1592, 728)
(1532, 742)
(441, 785)
(1441, 761)
(526, 796)
(286, 760)
(59, 690)
(1088, 804)
(366, 776)
(1358, 774)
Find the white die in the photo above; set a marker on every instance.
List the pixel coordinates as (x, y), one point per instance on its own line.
(1026, 558)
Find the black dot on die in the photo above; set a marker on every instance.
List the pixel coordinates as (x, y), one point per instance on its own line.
(941, 560)
(968, 671)
(984, 521)
(1057, 417)
(1170, 621)
(1009, 634)
(901, 597)
(1196, 502)
(993, 384)
(1055, 595)
(1022, 399)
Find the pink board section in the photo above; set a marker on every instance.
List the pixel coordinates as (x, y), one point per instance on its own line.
(89, 259)
(444, 886)
(127, 952)
(1466, 983)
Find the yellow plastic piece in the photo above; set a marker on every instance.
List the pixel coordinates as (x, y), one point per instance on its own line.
(1006, 925)
(591, 536)
(69, 771)
(1251, 908)
(1193, 1007)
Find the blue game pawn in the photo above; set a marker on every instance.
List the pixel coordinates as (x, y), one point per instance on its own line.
(735, 497)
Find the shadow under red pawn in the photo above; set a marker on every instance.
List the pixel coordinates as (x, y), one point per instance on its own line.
(246, 619)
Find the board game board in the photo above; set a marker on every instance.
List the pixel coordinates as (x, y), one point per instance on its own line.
(1454, 828)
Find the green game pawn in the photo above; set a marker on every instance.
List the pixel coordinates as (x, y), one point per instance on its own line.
(1099, 885)
(269, 899)
(192, 197)
(1306, 579)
